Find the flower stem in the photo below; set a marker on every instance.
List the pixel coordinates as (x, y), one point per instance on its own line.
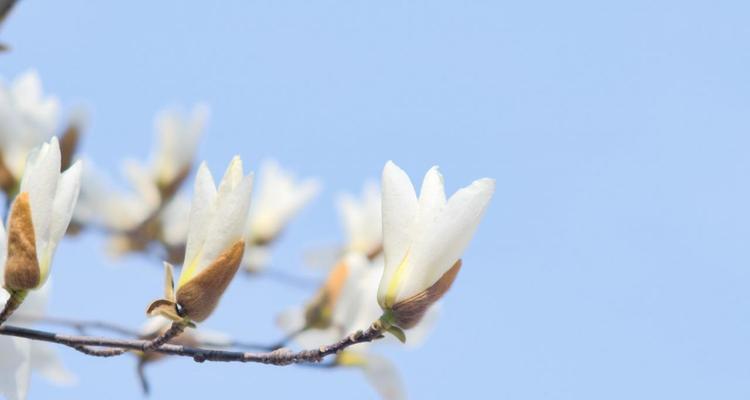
(15, 301)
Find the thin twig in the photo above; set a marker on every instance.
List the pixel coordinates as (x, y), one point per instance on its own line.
(81, 326)
(89, 351)
(84, 326)
(14, 301)
(175, 330)
(286, 278)
(277, 357)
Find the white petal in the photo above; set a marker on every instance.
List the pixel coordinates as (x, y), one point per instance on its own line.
(362, 219)
(155, 325)
(175, 219)
(40, 180)
(291, 320)
(142, 182)
(65, 201)
(432, 195)
(201, 213)
(45, 361)
(212, 339)
(278, 198)
(178, 138)
(314, 338)
(256, 258)
(399, 210)
(229, 222)
(15, 367)
(442, 242)
(383, 377)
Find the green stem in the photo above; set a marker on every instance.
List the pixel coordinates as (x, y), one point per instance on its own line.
(15, 301)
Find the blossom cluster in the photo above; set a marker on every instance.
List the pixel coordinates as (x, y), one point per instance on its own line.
(401, 254)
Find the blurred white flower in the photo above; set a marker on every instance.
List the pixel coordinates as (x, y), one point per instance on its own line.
(380, 372)
(354, 307)
(278, 197)
(362, 220)
(214, 245)
(175, 221)
(177, 143)
(101, 204)
(27, 119)
(20, 356)
(256, 257)
(423, 240)
(45, 203)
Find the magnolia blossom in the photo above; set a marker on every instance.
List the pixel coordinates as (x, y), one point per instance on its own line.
(423, 239)
(27, 119)
(362, 221)
(175, 221)
(39, 217)
(348, 299)
(100, 203)
(279, 197)
(214, 245)
(178, 137)
(21, 356)
(104, 205)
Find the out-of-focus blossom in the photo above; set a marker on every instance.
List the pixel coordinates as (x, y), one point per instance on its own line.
(345, 304)
(380, 372)
(21, 356)
(39, 217)
(28, 118)
(214, 245)
(102, 204)
(174, 226)
(278, 198)
(362, 221)
(157, 326)
(177, 143)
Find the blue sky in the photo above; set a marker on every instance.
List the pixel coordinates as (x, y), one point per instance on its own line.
(612, 262)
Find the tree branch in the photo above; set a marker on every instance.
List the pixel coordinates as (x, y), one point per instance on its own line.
(83, 327)
(277, 357)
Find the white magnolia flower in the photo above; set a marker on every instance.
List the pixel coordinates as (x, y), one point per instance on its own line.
(178, 137)
(214, 245)
(175, 221)
(256, 257)
(39, 216)
(278, 198)
(379, 371)
(362, 220)
(21, 356)
(100, 203)
(27, 119)
(353, 285)
(423, 239)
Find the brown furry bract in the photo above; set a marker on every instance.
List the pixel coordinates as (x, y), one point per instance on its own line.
(22, 267)
(200, 295)
(408, 312)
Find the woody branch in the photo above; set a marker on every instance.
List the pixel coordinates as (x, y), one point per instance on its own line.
(276, 357)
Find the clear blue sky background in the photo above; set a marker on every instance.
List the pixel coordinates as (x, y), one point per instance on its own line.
(613, 262)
